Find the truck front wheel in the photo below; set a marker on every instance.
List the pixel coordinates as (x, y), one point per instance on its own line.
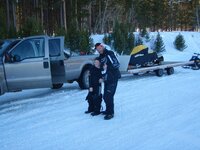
(57, 86)
(83, 81)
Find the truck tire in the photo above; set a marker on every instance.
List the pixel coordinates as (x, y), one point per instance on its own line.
(83, 81)
(57, 86)
(170, 71)
(159, 72)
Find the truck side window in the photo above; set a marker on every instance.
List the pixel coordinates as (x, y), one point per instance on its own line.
(39, 46)
(30, 48)
(54, 47)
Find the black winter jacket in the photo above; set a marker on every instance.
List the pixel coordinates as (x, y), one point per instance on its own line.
(95, 75)
(112, 73)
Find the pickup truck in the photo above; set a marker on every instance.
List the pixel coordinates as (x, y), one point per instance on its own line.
(40, 62)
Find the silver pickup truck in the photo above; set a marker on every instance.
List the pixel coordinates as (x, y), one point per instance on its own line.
(39, 62)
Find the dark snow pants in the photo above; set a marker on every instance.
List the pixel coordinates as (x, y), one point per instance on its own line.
(89, 98)
(97, 103)
(94, 102)
(109, 92)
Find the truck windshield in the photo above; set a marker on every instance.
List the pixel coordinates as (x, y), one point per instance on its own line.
(3, 45)
(7, 44)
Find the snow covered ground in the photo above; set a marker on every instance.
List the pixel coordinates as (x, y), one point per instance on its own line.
(151, 113)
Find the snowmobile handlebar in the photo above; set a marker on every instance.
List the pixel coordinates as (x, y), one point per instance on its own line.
(198, 54)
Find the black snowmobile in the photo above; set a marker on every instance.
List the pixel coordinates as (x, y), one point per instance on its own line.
(196, 64)
(141, 57)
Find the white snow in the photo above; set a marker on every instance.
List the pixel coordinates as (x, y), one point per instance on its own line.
(151, 113)
(191, 40)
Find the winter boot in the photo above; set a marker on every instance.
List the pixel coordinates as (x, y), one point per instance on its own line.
(104, 112)
(88, 111)
(108, 117)
(95, 113)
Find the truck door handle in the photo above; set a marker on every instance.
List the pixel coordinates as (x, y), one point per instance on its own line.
(46, 64)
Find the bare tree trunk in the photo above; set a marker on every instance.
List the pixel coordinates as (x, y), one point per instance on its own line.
(171, 16)
(76, 14)
(64, 15)
(98, 20)
(99, 9)
(8, 15)
(14, 15)
(90, 17)
(197, 15)
(103, 19)
(42, 14)
(37, 11)
(61, 15)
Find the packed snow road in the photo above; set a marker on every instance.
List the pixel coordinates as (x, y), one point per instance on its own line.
(151, 113)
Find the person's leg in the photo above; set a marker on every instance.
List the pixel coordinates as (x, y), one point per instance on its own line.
(105, 98)
(97, 105)
(109, 92)
(90, 103)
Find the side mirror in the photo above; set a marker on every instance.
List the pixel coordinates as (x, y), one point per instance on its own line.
(16, 58)
(8, 58)
(67, 53)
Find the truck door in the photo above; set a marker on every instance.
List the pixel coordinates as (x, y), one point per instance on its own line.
(30, 65)
(56, 47)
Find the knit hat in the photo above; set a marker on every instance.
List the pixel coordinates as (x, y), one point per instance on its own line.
(97, 44)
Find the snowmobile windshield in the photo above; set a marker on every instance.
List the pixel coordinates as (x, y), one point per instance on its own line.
(138, 49)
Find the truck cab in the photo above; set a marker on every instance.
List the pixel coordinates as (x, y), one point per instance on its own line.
(32, 62)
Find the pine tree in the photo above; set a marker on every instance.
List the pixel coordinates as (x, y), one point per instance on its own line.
(78, 41)
(107, 39)
(120, 36)
(143, 32)
(31, 27)
(73, 37)
(139, 41)
(179, 42)
(2, 22)
(130, 41)
(62, 32)
(159, 44)
(147, 37)
(12, 33)
(85, 46)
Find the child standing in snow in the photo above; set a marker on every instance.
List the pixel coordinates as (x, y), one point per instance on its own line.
(94, 96)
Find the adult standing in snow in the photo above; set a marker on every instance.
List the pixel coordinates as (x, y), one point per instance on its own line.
(110, 70)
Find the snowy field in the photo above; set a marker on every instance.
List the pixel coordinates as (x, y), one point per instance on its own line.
(151, 113)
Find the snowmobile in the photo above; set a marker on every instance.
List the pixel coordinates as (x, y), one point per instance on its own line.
(142, 57)
(196, 64)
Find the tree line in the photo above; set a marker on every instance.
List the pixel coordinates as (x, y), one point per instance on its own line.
(80, 18)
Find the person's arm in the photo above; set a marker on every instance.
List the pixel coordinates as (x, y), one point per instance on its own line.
(104, 72)
(90, 81)
(113, 59)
